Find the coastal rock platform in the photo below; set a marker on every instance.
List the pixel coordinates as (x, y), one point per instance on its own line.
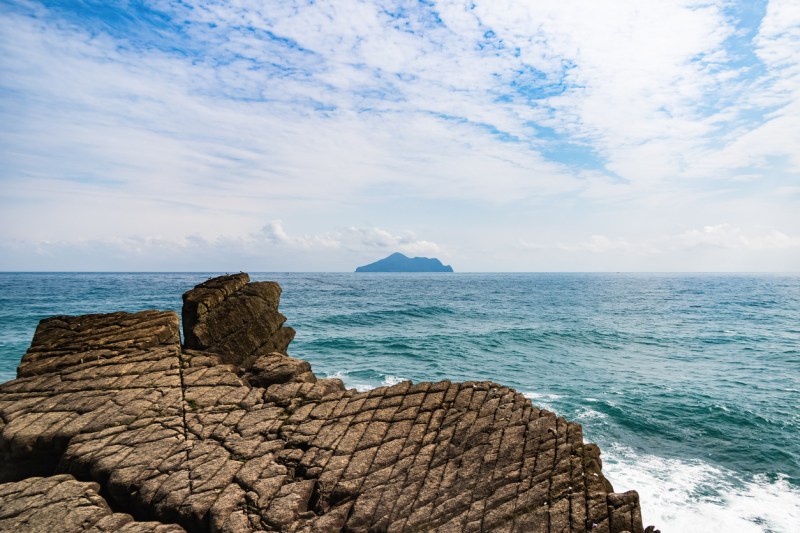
(114, 425)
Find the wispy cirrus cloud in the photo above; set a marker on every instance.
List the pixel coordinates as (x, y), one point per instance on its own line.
(212, 117)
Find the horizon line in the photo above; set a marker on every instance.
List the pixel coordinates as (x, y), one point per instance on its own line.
(226, 272)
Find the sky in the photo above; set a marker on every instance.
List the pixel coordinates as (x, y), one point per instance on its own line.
(495, 135)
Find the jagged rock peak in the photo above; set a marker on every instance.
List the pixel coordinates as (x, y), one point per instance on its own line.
(235, 319)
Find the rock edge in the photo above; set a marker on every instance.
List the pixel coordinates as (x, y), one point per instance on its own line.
(228, 433)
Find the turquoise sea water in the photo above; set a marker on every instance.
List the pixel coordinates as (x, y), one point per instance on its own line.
(690, 384)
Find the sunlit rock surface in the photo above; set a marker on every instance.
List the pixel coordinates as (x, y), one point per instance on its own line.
(228, 433)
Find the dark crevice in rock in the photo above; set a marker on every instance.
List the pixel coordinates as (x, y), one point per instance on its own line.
(34, 465)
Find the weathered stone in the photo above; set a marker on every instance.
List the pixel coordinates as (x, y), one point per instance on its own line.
(60, 503)
(237, 320)
(178, 436)
(276, 368)
(64, 341)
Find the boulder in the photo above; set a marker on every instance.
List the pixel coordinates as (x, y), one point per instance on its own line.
(278, 368)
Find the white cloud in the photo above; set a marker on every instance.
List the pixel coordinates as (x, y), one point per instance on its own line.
(379, 239)
(356, 239)
(778, 36)
(597, 244)
(270, 249)
(275, 234)
(728, 236)
(723, 236)
(471, 121)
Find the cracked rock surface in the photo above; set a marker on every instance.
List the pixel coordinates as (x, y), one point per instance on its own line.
(228, 433)
(60, 503)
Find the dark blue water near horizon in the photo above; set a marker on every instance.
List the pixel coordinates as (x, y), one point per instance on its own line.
(689, 383)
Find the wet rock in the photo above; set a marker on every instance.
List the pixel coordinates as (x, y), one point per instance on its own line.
(179, 436)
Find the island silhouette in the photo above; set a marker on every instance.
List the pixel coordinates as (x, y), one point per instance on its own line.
(398, 262)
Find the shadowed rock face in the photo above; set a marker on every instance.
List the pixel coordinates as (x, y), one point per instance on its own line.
(216, 439)
(235, 319)
(60, 503)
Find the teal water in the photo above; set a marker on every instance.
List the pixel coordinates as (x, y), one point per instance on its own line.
(690, 384)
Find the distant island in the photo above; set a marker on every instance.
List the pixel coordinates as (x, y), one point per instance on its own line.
(398, 262)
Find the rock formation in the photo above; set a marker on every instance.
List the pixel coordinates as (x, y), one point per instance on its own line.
(398, 262)
(235, 319)
(113, 425)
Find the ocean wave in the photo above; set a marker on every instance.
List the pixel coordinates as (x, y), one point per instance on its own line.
(541, 396)
(363, 384)
(551, 338)
(691, 495)
(388, 380)
(368, 318)
(542, 400)
(349, 381)
(589, 414)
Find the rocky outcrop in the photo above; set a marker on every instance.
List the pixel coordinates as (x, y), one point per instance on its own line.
(226, 435)
(67, 341)
(235, 319)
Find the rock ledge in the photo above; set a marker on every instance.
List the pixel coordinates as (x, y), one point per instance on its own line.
(112, 424)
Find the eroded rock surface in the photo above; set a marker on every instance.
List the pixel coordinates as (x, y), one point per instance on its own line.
(216, 439)
(235, 319)
(60, 503)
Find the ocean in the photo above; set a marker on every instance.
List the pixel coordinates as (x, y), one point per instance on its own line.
(689, 383)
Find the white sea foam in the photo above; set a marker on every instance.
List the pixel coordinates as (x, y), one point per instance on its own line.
(350, 382)
(388, 380)
(362, 385)
(678, 495)
(542, 400)
(340, 374)
(589, 414)
(541, 396)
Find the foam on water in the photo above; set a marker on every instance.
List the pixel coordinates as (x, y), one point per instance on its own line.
(541, 396)
(363, 384)
(388, 381)
(585, 414)
(541, 400)
(678, 495)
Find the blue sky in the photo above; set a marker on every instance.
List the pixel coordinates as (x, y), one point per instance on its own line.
(498, 135)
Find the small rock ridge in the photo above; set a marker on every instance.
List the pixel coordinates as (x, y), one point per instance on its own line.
(112, 424)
